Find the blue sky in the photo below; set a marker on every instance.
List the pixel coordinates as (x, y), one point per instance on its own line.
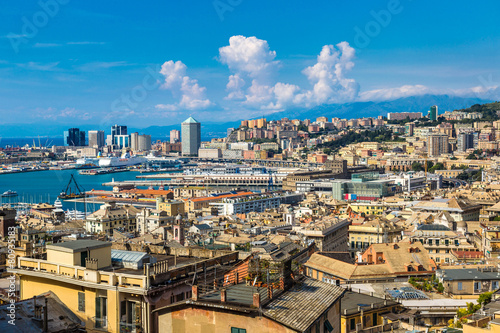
(157, 62)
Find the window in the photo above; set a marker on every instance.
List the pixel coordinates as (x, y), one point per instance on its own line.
(130, 316)
(494, 285)
(459, 286)
(101, 312)
(352, 324)
(238, 330)
(81, 302)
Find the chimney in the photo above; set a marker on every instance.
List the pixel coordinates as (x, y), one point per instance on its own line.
(46, 316)
(256, 300)
(223, 295)
(270, 291)
(194, 292)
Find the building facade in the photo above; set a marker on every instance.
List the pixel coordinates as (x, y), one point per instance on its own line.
(191, 137)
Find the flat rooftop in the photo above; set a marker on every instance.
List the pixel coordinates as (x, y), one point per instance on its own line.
(78, 245)
(352, 300)
(238, 294)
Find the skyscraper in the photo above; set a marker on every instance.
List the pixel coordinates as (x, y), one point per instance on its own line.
(465, 141)
(437, 144)
(140, 142)
(433, 113)
(175, 136)
(74, 137)
(96, 139)
(117, 130)
(191, 136)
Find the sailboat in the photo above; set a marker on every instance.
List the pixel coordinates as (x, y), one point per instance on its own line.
(72, 192)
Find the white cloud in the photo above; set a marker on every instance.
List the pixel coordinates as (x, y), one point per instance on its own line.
(192, 95)
(251, 60)
(248, 55)
(388, 94)
(55, 114)
(235, 87)
(46, 67)
(328, 77)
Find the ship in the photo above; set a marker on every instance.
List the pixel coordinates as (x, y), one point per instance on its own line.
(72, 190)
(58, 204)
(125, 160)
(86, 163)
(9, 193)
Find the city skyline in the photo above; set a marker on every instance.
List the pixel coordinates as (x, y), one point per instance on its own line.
(236, 69)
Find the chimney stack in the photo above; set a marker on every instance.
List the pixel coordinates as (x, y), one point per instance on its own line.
(256, 300)
(194, 291)
(270, 291)
(46, 316)
(223, 296)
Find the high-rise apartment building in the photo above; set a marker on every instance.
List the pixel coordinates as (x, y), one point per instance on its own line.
(175, 136)
(433, 113)
(191, 136)
(437, 144)
(121, 141)
(409, 129)
(465, 141)
(140, 142)
(96, 139)
(74, 137)
(118, 130)
(403, 115)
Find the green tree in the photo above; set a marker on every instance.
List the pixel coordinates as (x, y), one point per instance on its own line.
(484, 298)
(471, 156)
(437, 166)
(416, 166)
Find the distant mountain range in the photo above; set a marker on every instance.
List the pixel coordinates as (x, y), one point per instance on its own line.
(212, 129)
(375, 109)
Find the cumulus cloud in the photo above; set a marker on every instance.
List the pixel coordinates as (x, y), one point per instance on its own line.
(235, 87)
(248, 55)
(251, 60)
(388, 94)
(328, 77)
(191, 95)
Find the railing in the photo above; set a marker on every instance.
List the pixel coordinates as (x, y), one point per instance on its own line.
(130, 328)
(101, 322)
(381, 328)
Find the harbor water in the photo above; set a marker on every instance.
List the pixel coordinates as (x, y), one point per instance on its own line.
(45, 186)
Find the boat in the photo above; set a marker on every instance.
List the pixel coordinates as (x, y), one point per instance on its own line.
(9, 193)
(87, 163)
(125, 160)
(72, 214)
(58, 204)
(72, 190)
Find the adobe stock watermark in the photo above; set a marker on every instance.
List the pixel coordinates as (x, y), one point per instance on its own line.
(31, 26)
(11, 263)
(223, 6)
(373, 28)
(138, 94)
(488, 83)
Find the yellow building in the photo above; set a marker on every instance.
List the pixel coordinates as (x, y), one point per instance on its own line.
(355, 317)
(112, 298)
(368, 208)
(172, 207)
(362, 235)
(112, 216)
